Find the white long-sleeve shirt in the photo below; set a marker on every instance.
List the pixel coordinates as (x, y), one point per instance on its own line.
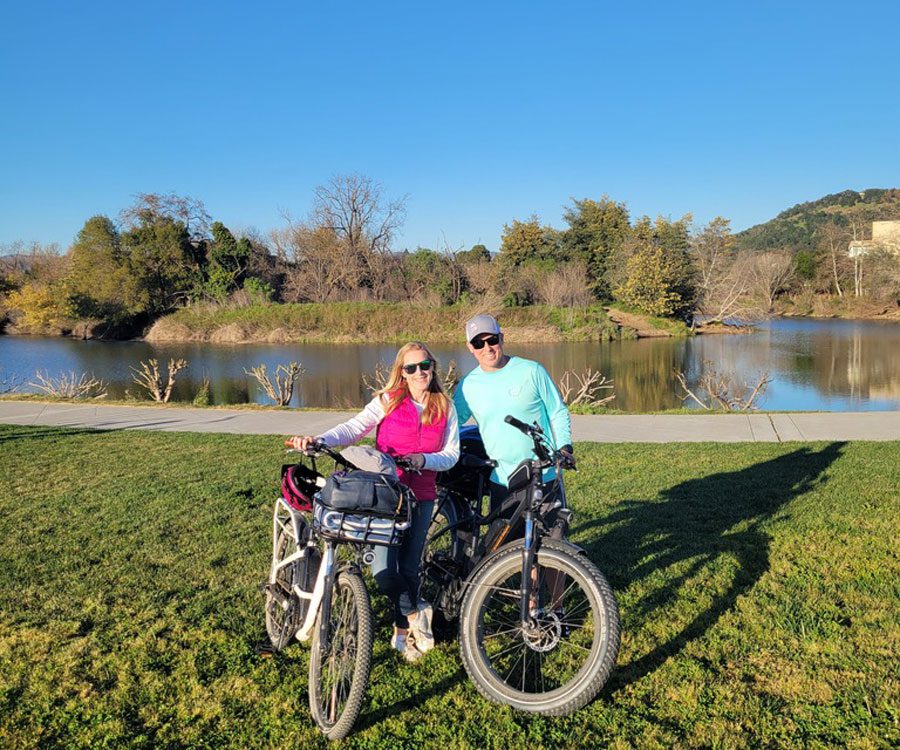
(356, 428)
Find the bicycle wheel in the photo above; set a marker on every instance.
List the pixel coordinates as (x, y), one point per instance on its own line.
(562, 658)
(339, 669)
(442, 567)
(283, 615)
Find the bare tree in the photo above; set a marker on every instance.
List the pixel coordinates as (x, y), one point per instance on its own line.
(343, 250)
(724, 278)
(727, 295)
(315, 267)
(712, 251)
(149, 378)
(34, 261)
(481, 277)
(189, 211)
(69, 385)
(282, 389)
(567, 286)
(719, 390)
(834, 239)
(772, 271)
(353, 208)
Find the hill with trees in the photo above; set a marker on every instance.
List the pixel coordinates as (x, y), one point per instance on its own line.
(801, 227)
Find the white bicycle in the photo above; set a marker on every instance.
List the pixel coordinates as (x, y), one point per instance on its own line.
(316, 591)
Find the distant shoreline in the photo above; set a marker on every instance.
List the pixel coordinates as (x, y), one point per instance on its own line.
(367, 322)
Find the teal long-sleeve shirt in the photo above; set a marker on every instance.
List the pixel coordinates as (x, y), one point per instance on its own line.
(524, 389)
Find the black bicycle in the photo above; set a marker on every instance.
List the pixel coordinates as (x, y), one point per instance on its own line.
(539, 623)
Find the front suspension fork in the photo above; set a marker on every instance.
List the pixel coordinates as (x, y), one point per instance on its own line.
(528, 569)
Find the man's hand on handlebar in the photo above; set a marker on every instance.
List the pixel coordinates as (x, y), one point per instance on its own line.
(567, 457)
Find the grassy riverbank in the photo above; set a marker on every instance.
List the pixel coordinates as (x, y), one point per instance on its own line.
(364, 322)
(757, 584)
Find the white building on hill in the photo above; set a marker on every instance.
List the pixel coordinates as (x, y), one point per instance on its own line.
(885, 234)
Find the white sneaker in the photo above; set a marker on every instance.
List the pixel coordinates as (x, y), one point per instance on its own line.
(420, 628)
(405, 646)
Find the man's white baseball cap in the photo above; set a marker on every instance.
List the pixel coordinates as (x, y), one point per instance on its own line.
(481, 324)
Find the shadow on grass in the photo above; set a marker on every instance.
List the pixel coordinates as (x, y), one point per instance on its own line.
(698, 527)
(9, 433)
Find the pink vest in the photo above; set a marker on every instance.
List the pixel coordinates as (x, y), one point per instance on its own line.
(401, 432)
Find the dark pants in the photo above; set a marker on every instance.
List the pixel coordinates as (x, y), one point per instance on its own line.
(396, 569)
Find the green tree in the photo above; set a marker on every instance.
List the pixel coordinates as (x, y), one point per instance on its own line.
(99, 282)
(807, 264)
(527, 242)
(597, 230)
(163, 261)
(428, 271)
(474, 254)
(227, 261)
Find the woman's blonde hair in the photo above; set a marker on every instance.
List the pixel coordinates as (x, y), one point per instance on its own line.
(396, 388)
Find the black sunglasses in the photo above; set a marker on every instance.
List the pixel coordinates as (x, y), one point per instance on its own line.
(492, 340)
(424, 366)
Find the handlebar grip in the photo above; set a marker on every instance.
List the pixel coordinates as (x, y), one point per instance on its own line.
(517, 423)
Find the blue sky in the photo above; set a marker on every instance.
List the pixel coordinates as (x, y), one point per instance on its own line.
(479, 112)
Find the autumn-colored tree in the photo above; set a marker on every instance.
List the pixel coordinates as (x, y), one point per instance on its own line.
(528, 242)
(656, 281)
(41, 307)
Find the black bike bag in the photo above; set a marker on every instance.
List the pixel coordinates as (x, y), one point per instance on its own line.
(363, 492)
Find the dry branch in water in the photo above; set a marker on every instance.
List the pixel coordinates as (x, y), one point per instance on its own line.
(282, 389)
(585, 391)
(720, 392)
(70, 385)
(10, 383)
(149, 378)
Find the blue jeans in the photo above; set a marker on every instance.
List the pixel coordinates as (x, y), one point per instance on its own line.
(396, 569)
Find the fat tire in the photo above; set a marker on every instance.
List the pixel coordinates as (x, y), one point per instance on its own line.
(359, 616)
(592, 676)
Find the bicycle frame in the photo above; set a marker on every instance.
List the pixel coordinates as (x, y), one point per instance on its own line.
(525, 500)
(320, 596)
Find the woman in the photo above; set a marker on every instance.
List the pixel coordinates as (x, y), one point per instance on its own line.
(416, 420)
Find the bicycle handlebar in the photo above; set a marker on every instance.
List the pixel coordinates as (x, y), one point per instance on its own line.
(521, 426)
(543, 449)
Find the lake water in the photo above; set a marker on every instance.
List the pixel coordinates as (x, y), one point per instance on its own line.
(829, 365)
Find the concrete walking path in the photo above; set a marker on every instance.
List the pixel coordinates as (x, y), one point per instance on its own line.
(619, 428)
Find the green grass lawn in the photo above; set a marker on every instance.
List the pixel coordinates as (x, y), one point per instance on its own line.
(758, 586)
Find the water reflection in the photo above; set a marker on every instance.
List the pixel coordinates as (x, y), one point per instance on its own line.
(814, 364)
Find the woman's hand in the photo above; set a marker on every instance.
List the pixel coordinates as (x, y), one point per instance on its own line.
(415, 461)
(300, 442)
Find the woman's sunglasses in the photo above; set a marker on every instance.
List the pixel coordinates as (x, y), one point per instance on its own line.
(490, 341)
(424, 366)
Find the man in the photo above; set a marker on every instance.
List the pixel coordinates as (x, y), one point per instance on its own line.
(503, 385)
